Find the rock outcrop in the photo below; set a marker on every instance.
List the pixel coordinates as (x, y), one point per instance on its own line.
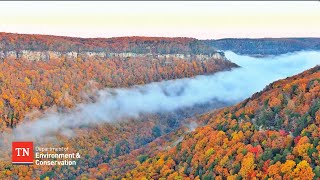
(47, 55)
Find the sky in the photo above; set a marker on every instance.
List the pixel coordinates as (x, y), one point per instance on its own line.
(202, 20)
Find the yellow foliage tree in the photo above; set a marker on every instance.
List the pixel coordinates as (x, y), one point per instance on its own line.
(303, 171)
(247, 165)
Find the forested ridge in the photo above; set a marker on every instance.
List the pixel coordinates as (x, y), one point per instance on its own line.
(274, 134)
(139, 45)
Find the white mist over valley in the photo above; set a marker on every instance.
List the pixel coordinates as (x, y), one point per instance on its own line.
(167, 96)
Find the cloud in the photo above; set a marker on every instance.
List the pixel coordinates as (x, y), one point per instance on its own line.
(167, 96)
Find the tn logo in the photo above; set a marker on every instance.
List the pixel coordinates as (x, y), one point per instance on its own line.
(22, 152)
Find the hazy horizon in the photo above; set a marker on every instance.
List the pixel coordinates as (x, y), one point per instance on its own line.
(200, 20)
(289, 37)
(163, 36)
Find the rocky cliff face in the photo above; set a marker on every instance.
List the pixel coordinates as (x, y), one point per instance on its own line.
(47, 55)
(46, 47)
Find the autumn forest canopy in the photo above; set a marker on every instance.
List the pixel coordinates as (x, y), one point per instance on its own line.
(271, 134)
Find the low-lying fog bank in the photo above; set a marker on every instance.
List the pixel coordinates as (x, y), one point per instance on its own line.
(167, 96)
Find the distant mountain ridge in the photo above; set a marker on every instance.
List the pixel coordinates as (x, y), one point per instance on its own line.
(44, 47)
(265, 46)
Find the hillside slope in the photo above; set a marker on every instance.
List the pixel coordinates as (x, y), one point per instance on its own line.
(274, 134)
(28, 85)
